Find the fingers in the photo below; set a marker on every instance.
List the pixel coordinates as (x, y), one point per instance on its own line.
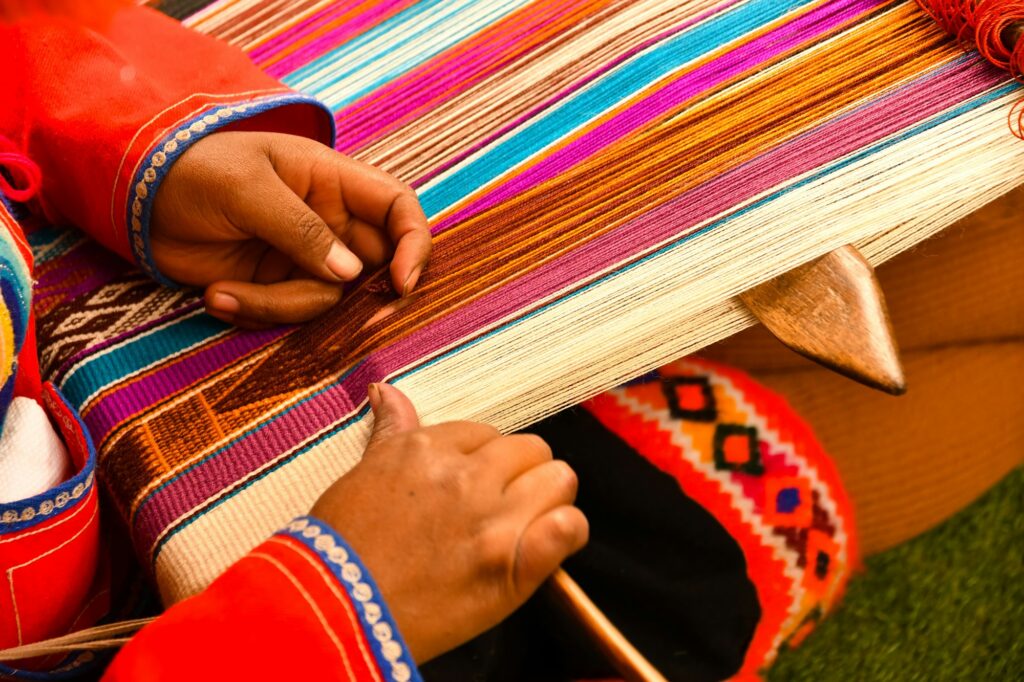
(393, 413)
(466, 437)
(548, 541)
(509, 457)
(280, 218)
(289, 302)
(375, 197)
(542, 488)
(366, 241)
(407, 227)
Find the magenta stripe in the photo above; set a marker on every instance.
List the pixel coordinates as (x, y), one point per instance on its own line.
(360, 23)
(102, 267)
(575, 87)
(139, 395)
(943, 89)
(443, 76)
(805, 29)
(295, 33)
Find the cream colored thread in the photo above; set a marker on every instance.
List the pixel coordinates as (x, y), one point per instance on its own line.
(637, 320)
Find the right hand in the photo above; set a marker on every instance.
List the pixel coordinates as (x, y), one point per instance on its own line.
(458, 524)
(273, 224)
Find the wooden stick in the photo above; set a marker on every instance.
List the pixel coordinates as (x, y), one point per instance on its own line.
(629, 662)
(832, 311)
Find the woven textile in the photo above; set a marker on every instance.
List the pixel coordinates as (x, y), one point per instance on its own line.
(739, 452)
(602, 179)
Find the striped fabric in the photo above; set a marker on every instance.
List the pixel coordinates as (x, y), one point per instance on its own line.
(602, 178)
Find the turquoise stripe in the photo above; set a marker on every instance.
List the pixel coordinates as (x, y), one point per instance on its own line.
(101, 371)
(966, 107)
(338, 65)
(613, 87)
(877, 147)
(48, 237)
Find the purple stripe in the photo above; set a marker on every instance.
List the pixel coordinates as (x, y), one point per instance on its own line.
(915, 102)
(139, 395)
(767, 47)
(86, 256)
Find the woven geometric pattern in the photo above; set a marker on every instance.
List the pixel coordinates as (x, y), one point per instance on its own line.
(601, 177)
(776, 492)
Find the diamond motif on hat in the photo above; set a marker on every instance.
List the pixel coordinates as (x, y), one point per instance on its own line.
(737, 448)
(788, 502)
(690, 398)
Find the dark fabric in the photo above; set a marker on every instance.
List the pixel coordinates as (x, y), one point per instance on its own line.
(658, 564)
(181, 9)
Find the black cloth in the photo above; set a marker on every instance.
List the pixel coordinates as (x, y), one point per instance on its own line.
(658, 564)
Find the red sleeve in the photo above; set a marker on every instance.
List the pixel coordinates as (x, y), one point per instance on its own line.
(300, 605)
(105, 110)
(55, 578)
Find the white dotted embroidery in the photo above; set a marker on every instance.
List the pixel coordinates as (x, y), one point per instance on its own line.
(46, 507)
(362, 592)
(391, 650)
(401, 672)
(326, 545)
(157, 160)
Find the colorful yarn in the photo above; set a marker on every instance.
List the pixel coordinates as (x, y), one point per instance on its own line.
(988, 26)
(602, 179)
(744, 456)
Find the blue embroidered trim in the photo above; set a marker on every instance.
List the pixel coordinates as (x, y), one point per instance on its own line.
(17, 210)
(378, 625)
(163, 155)
(73, 666)
(21, 514)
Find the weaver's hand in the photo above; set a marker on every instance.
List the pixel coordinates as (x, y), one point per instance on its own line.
(457, 524)
(273, 224)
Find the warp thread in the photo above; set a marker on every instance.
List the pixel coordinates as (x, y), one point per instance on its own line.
(994, 28)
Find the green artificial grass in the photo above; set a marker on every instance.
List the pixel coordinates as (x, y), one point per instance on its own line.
(948, 605)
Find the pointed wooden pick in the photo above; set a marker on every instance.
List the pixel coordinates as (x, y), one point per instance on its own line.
(832, 311)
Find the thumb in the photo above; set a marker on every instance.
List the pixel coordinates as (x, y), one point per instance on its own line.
(393, 412)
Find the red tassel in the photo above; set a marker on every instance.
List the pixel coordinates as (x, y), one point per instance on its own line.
(26, 178)
(993, 27)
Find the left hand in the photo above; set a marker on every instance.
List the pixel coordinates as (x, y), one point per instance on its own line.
(272, 225)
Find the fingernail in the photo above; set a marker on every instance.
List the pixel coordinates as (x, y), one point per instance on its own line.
(373, 393)
(411, 280)
(343, 263)
(225, 303)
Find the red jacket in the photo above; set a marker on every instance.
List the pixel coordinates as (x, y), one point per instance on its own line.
(105, 110)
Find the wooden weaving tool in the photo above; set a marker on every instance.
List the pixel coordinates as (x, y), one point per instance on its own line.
(832, 311)
(583, 188)
(629, 662)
